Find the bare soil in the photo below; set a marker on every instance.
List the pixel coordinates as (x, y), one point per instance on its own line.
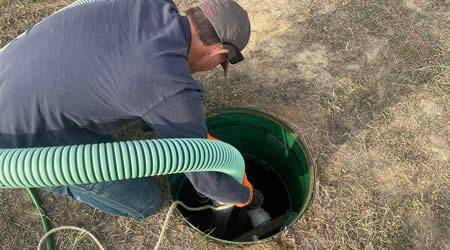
(366, 84)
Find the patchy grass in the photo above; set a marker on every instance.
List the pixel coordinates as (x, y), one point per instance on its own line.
(367, 85)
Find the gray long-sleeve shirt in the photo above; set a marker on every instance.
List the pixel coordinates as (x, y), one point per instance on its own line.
(89, 69)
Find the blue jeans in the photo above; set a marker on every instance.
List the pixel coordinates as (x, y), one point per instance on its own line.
(135, 198)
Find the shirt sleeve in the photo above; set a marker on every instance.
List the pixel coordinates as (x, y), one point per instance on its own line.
(182, 116)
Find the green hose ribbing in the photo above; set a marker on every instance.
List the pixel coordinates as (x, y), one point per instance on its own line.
(91, 163)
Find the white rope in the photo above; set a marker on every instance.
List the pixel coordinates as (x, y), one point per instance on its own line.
(163, 230)
(71, 228)
(172, 207)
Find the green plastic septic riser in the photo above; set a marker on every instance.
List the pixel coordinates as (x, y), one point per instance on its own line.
(277, 163)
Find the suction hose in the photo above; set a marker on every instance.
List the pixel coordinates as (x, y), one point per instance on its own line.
(92, 163)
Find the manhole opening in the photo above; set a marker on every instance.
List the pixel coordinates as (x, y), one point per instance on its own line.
(277, 163)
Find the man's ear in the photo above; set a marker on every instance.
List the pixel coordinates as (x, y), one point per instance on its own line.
(219, 49)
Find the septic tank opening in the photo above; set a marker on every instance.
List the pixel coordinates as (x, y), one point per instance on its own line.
(263, 178)
(277, 163)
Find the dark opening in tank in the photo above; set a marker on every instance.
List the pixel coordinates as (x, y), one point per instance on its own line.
(276, 203)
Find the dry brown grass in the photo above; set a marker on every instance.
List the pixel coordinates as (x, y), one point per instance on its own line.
(365, 82)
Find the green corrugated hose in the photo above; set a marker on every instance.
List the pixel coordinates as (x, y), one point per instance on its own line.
(91, 163)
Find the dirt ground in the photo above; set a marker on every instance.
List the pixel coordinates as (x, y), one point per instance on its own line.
(366, 83)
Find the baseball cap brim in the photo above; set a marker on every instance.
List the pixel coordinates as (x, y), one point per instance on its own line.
(234, 55)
